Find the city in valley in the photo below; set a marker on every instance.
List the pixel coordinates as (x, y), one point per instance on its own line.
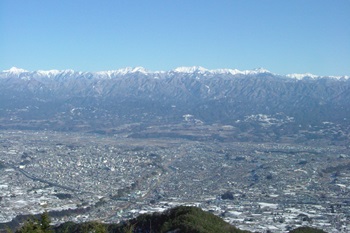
(265, 152)
(175, 116)
(112, 177)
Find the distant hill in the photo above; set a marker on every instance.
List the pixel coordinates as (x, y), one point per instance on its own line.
(181, 219)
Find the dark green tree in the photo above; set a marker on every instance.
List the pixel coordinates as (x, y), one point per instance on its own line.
(37, 226)
(30, 226)
(45, 223)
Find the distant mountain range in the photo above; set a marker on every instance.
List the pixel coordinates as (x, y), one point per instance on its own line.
(71, 100)
(133, 70)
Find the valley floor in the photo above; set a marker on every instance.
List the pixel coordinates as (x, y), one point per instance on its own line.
(254, 186)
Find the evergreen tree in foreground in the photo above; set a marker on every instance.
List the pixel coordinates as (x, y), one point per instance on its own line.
(37, 226)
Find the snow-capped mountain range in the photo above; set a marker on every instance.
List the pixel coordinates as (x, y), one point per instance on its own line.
(184, 70)
(68, 99)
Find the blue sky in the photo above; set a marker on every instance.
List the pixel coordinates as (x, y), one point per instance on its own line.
(294, 36)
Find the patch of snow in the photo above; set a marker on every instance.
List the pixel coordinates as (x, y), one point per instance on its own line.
(257, 71)
(202, 70)
(270, 205)
(313, 76)
(69, 71)
(268, 120)
(192, 69)
(233, 213)
(48, 73)
(124, 71)
(185, 70)
(131, 70)
(339, 77)
(341, 185)
(300, 170)
(15, 70)
(227, 71)
(302, 76)
(187, 117)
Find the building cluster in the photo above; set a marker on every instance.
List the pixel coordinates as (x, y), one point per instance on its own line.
(254, 186)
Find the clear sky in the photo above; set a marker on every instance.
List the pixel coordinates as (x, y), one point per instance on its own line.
(283, 36)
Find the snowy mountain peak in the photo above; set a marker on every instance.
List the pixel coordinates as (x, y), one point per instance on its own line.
(137, 69)
(250, 72)
(312, 76)
(124, 71)
(202, 70)
(15, 70)
(192, 69)
(301, 76)
(260, 70)
(48, 72)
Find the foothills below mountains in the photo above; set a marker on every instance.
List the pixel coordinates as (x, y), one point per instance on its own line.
(245, 100)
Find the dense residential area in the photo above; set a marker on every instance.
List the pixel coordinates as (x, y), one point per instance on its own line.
(253, 186)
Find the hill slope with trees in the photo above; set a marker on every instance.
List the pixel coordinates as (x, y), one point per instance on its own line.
(181, 219)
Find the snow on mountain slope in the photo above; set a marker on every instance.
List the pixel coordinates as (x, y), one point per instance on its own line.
(124, 71)
(312, 76)
(139, 95)
(180, 70)
(202, 70)
(15, 70)
(193, 69)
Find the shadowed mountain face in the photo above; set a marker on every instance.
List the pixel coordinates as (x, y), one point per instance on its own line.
(68, 100)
